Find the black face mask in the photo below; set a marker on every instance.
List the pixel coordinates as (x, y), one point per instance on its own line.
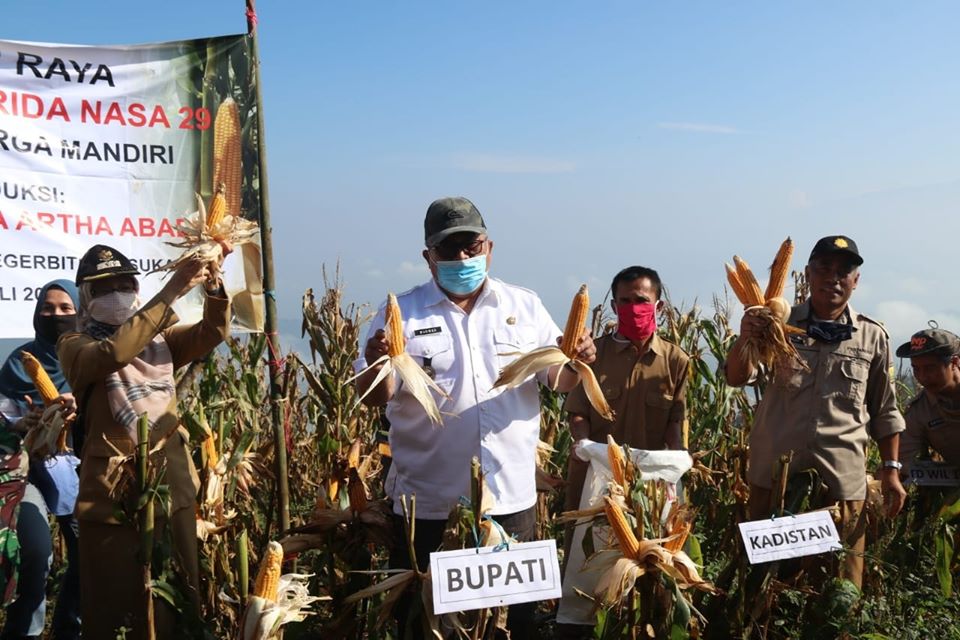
(52, 327)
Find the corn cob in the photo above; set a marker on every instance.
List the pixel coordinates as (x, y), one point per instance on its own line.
(736, 285)
(680, 520)
(629, 544)
(618, 464)
(397, 344)
(353, 455)
(752, 290)
(227, 167)
(218, 208)
(333, 488)
(210, 449)
(779, 270)
(357, 492)
(575, 322)
(42, 381)
(268, 575)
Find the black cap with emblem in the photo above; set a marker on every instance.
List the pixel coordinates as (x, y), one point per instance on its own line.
(448, 216)
(930, 341)
(837, 244)
(101, 261)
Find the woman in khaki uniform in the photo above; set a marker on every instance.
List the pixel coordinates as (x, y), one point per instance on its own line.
(120, 365)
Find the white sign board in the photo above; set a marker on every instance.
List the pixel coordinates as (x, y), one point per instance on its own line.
(930, 473)
(806, 534)
(477, 578)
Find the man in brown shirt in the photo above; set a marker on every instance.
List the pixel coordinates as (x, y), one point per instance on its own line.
(933, 417)
(825, 413)
(643, 378)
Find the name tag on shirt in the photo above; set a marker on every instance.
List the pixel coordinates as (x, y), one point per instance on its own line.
(427, 331)
(805, 534)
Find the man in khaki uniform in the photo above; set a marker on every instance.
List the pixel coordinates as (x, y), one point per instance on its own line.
(825, 414)
(933, 417)
(643, 378)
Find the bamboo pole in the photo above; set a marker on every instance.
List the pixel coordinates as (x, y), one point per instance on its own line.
(270, 302)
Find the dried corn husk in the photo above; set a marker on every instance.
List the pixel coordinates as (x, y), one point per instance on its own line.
(202, 241)
(414, 378)
(537, 360)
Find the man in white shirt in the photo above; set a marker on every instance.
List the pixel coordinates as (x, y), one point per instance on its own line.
(463, 327)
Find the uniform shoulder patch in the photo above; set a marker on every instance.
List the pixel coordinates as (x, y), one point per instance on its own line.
(877, 323)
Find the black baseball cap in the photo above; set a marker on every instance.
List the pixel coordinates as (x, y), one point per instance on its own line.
(448, 216)
(930, 341)
(837, 244)
(101, 261)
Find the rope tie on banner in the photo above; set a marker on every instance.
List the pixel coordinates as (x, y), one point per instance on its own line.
(251, 17)
(505, 539)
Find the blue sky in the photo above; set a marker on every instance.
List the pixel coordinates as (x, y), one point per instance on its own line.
(595, 135)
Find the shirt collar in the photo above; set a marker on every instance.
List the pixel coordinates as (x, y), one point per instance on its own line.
(655, 346)
(849, 316)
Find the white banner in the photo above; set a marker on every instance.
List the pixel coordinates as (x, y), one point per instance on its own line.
(110, 145)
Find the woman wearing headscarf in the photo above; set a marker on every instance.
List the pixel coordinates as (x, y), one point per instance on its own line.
(120, 365)
(52, 482)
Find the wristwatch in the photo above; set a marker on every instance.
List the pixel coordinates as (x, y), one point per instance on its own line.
(892, 464)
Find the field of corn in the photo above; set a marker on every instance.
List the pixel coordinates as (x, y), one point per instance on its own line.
(340, 521)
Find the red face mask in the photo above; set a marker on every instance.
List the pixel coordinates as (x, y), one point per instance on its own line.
(637, 321)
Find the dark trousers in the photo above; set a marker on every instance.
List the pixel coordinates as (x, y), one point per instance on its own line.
(428, 536)
(66, 616)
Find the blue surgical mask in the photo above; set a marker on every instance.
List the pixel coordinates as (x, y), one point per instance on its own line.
(461, 277)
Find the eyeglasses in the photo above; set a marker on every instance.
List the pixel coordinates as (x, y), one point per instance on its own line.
(452, 251)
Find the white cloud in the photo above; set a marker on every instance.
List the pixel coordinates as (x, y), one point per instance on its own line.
(799, 199)
(699, 127)
(508, 163)
(902, 319)
(419, 268)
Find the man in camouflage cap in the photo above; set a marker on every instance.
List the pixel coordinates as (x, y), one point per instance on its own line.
(824, 409)
(933, 417)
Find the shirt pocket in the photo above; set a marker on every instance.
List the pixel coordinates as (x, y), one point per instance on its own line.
(852, 378)
(434, 353)
(658, 406)
(512, 341)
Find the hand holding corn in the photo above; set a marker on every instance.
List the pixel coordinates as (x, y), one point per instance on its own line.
(754, 326)
(377, 347)
(186, 276)
(574, 349)
(586, 351)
